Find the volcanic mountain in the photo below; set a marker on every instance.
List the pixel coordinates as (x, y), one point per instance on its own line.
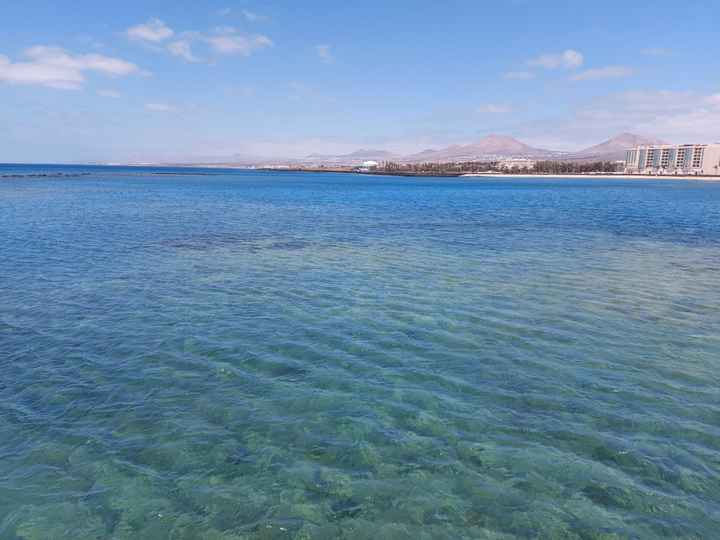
(492, 146)
(613, 149)
(358, 155)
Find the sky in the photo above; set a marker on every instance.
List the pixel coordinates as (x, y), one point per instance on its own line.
(180, 80)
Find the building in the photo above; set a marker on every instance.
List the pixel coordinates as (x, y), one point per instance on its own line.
(686, 159)
(516, 163)
(370, 164)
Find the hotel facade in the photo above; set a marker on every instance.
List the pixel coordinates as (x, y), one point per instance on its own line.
(685, 159)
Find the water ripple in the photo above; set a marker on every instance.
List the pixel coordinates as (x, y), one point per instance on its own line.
(245, 355)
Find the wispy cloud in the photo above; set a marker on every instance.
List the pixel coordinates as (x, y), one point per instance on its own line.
(569, 59)
(713, 100)
(251, 16)
(160, 107)
(224, 40)
(240, 44)
(494, 108)
(325, 53)
(53, 67)
(153, 31)
(608, 72)
(677, 116)
(109, 93)
(519, 75)
(182, 49)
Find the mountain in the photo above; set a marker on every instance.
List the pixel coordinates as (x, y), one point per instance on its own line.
(353, 157)
(492, 146)
(613, 149)
(377, 155)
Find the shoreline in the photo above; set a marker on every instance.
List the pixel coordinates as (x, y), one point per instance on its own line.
(621, 176)
(601, 175)
(351, 170)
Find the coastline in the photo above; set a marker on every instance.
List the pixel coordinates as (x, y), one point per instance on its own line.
(623, 176)
(195, 168)
(600, 175)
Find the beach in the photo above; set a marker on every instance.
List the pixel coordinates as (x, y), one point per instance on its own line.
(599, 175)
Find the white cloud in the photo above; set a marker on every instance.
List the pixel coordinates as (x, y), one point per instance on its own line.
(671, 115)
(109, 93)
(713, 100)
(325, 53)
(221, 30)
(225, 40)
(94, 62)
(675, 116)
(53, 67)
(159, 107)
(608, 72)
(153, 31)
(251, 16)
(519, 75)
(491, 108)
(569, 59)
(240, 44)
(182, 49)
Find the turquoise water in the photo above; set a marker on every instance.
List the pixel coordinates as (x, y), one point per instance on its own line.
(246, 355)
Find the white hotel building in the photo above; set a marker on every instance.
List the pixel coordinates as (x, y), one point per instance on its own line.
(685, 159)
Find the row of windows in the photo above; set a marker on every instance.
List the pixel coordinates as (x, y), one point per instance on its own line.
(665, 159)
(697, 157)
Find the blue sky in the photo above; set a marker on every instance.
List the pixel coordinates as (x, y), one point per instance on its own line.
(166, 80)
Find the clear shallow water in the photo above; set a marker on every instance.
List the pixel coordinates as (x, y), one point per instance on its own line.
(259, 356)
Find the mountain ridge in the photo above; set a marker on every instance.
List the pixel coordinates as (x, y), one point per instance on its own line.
(361, 155)
(615, 147)
(493, 145)
(490, 148)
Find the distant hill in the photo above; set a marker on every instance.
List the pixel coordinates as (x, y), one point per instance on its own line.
(371, 154)
(613, 149)
(492, 146)
(357, 156)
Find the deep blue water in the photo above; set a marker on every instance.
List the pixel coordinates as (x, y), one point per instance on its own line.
(244, 355)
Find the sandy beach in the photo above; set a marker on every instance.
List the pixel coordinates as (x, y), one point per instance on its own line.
(599, 175)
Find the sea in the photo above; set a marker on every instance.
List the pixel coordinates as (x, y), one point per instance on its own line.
(222, 355)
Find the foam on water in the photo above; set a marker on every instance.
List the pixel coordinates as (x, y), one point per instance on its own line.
(252, 355)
